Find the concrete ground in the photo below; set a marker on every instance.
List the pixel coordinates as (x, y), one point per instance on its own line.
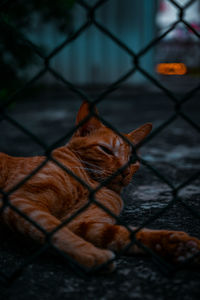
(174, 152)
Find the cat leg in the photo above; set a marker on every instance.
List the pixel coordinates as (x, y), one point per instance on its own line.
(64, 239)
(174, 246)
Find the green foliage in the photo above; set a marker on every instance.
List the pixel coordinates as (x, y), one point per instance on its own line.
(17, 20)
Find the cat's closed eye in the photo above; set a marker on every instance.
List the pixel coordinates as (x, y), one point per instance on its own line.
(106, 149)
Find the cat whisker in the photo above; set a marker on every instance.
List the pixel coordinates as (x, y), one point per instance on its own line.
(89, 169)
(88, 164)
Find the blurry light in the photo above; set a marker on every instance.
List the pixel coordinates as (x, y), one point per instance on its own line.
(171, 68)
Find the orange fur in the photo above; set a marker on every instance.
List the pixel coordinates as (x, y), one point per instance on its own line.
(52, 195)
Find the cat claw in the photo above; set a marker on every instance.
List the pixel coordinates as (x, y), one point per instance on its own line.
(100, 261)
(107, 267)
(104, 269)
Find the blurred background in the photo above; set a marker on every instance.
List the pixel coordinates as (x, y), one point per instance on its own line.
(93, 58)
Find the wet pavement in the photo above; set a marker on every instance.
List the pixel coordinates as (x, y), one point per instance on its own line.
(174, 152)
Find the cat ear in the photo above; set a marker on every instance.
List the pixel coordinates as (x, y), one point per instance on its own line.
(91, 125)
(140, 133)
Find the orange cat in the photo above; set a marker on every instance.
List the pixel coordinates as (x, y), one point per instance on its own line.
(52, 195)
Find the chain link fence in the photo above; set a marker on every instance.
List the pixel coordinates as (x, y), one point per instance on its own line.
(136, 66)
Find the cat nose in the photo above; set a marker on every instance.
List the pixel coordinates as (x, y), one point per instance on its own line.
(125, 172)
(122, 161)
(130, 170)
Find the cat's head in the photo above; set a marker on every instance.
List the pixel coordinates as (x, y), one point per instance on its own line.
(102, 151)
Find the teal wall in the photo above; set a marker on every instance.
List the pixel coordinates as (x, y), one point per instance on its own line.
(93, 57)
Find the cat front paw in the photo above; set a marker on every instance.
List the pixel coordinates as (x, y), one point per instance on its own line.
(94, 259)
(180, 248)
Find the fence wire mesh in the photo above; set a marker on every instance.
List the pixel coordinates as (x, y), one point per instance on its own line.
(136, 66)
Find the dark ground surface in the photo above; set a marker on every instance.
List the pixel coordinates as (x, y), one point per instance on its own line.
(174, 152)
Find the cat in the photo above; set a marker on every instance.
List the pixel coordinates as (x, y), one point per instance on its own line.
(52, 195)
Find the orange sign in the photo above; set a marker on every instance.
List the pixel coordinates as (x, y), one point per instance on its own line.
(171, 69)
